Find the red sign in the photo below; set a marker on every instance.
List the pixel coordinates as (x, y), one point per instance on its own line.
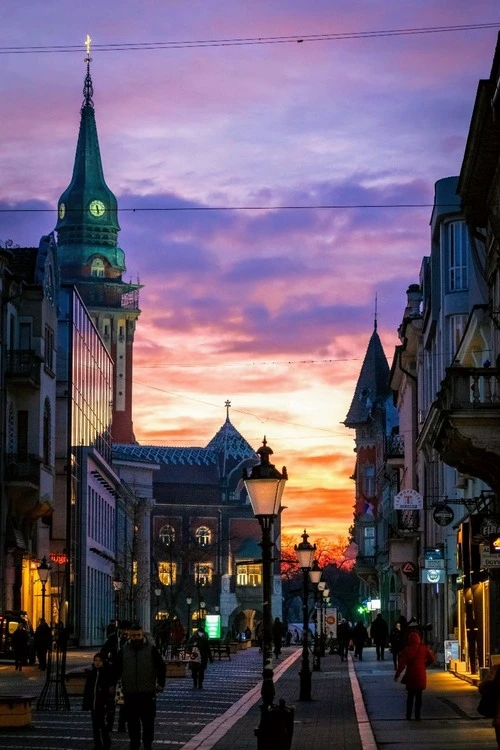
(409, 569)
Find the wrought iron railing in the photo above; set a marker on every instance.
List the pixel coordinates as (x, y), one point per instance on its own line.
(23, 363)
(22, 467)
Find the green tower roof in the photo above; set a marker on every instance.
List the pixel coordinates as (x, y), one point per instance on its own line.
(87, 210)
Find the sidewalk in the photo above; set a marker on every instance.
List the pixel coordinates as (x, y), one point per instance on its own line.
(358, 706)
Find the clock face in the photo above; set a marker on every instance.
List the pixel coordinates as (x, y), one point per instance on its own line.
(62, 210)
(97, 208)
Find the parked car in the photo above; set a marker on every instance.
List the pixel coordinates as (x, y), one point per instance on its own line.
(9, 622)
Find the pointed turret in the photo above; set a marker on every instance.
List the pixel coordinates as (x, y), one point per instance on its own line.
(373, 382)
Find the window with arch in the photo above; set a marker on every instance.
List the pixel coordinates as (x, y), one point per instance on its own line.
(167, 573)
(203, 536)
(47, 433)
(167, 535)
(97, 267)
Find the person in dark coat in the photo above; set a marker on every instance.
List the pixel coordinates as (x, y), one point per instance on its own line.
(359, 637)
(278, 631)
(43, 641)
(343, 638)
(111, 648)
(415, 658)
(19, 641)
(397, 638)
(195, 665)
(200, 642)
(379, 633)
(490, 685)
(98, 695)
(142, 672)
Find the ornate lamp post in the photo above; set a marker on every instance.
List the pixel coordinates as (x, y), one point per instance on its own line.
(117, 587)
(326, 595)
(189, 601)
(43, 575)
(265, 487)
(315, 576)
(157, 595)
(305, 554)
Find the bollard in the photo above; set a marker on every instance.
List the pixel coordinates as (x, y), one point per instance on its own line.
(276, 727)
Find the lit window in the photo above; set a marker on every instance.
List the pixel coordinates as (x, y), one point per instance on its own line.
(204, 574)
(167, 535)
(167, 573)
(249, 575)
(203, 536)
(97, 267)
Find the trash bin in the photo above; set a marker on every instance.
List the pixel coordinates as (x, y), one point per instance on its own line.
(276, 727)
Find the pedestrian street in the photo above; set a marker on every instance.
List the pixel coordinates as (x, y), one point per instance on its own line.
(182, 712)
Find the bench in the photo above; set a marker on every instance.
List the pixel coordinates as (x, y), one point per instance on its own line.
(75, 681)
(15, 711)
(221, 649)
(177, 667)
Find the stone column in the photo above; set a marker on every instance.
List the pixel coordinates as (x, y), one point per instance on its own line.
(142, 604)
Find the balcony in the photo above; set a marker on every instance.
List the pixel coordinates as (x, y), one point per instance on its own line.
(463, 424)
(23, 366)
(395, 450)
(366, 570)
(22, 468)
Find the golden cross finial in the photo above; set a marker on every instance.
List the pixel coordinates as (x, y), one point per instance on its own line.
(88, 42)
(227, 405)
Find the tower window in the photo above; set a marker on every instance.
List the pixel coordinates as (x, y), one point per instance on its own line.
(97, 267)
(203, 536)
(167, 535)
(458, 247)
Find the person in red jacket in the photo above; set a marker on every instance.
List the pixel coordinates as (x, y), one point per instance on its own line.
(415, 657)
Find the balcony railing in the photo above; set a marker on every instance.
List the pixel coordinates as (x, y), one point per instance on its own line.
(395, 446)
(23, 364)
(22, 467)
(365, 561)
(470, 388)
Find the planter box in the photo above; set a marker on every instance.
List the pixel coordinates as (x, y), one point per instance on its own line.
(176, 668)
(15, 711)
(75, 682)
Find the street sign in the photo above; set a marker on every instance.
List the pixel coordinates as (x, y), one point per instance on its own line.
(409, 569)
(432, 576)
(443, 515)
(331, 621)
(408, 500)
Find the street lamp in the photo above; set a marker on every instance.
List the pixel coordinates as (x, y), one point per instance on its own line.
(321, 588)
(117, 587)
(305, 554)
(326, 600)
(189, 601)
(202, 613)
(265, 487)
(315, 576)
(157, 595)
(43, 575)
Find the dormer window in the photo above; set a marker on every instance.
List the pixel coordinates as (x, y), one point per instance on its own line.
(97, 267)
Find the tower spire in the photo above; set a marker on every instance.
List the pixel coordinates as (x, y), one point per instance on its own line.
(376, 313)
(88, 90)
(228, 406)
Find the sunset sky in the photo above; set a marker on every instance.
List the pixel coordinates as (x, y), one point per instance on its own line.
(249, 108)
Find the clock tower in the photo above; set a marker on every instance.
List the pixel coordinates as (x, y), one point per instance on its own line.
(90, 258)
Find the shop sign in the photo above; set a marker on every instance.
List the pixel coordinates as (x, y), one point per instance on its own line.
(490, 528)
(409, 569)
(408, 500)
(331, 621)
(451, 651)
(212, 626)
(434, 558)
(443, 515)
(489, 559)
(432, 576)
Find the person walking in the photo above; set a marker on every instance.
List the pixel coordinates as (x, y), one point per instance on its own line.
(110, 650)
(415, 658)
(142, 672)
(397, 639)
(343, 637)
(359, 637)
(43, 641)
(19, 641)
(379, 633)
(195, 665)
(278, 631)
(200, 642)
(489, 688)
(98, 695)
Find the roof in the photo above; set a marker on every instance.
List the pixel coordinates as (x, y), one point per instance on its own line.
(373, 383)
